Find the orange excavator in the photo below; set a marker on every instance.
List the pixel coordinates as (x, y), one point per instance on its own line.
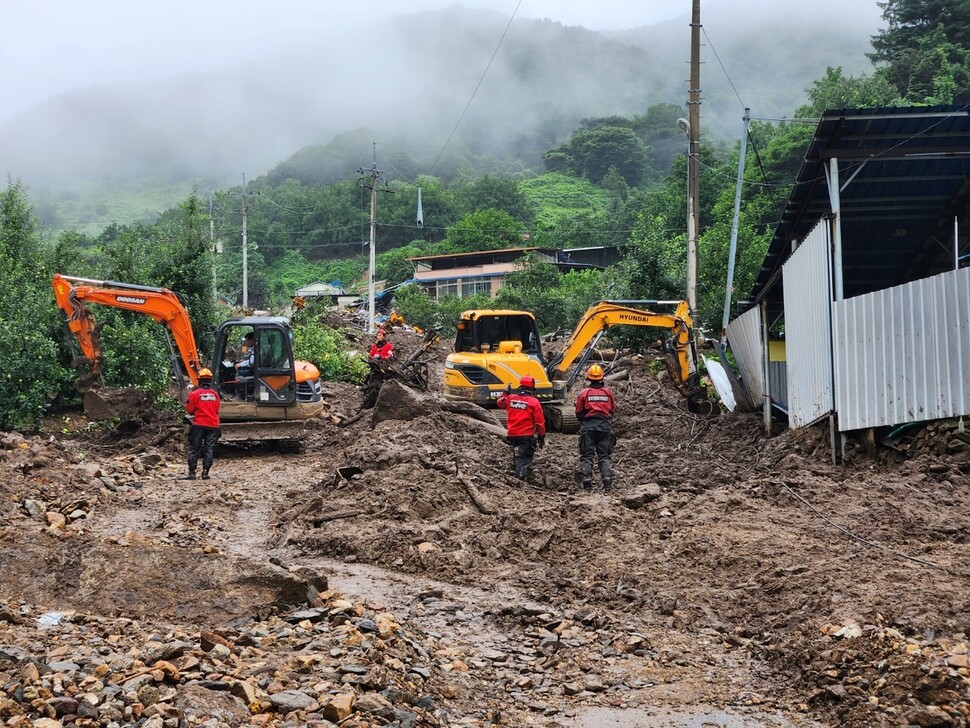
(266, 395)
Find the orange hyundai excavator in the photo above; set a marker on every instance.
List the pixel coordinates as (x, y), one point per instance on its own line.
(266, 393)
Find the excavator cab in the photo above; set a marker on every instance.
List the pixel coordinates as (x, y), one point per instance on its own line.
(257, 369)
(495, 349)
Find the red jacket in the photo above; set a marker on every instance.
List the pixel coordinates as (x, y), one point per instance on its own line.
(382, 351)
(203, 403)
(595, 402)
(525, 415)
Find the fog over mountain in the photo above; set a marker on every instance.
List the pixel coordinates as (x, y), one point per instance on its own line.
(411, 77)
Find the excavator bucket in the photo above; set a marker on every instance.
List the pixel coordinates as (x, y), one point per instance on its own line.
(106, 404)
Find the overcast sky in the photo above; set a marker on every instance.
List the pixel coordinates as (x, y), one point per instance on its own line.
(51, 46)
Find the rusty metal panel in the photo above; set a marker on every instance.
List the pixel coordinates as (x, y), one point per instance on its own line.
(744, 335)
(808, 328)
(902, 354)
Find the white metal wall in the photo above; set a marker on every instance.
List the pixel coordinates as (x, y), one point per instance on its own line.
(902, 354)
(808, 328)
(744, 335)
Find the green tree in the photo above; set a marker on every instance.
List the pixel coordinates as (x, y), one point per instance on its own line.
(925, 49)
(485, 230)
(32, 372)
(591, 152)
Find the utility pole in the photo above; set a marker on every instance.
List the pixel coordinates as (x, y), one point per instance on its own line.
(733, 248)
(375, 175)
(245, 249)
(693, 160)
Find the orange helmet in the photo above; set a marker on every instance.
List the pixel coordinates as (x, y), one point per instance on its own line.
(205, 373)
(594, 373)
(527, 381)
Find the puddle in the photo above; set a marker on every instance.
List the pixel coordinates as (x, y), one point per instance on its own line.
(702, 717)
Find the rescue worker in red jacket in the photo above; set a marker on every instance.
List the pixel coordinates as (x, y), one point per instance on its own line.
(203, 405)
(382, 348)
(526, 426)
(595, 406)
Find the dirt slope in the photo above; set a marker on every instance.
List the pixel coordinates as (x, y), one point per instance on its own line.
(393, 573)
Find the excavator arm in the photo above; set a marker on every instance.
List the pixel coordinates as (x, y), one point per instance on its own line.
(605, 314)
(73, 294)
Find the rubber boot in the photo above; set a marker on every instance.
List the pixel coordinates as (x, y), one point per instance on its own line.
(190, 476)
(205, 474)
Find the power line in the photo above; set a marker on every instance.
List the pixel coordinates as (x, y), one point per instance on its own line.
(494, 53)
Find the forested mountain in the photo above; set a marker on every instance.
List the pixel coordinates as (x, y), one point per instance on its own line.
(410, 84)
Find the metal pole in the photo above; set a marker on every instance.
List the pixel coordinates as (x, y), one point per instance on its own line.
(766, 358)
(956, 243)
(732, 249)
(693, 171)
(245, 249)
(373, 246)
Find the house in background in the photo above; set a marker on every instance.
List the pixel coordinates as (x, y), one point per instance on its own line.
(330, 291)
(484, 272)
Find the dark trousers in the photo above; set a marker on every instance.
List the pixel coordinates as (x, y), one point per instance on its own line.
(525, 452)
(202, 441)
(596, 443)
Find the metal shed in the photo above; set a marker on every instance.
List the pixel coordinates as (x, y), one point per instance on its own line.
(882, 197)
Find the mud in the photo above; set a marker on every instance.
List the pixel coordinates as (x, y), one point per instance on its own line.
(730, 579)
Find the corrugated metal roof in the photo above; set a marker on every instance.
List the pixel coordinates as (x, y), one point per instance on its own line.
(904, 174)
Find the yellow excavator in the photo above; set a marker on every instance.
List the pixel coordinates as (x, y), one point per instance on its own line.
(496, 348)
(269, 395)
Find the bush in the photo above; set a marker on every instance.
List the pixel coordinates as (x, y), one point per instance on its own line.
(316, 342)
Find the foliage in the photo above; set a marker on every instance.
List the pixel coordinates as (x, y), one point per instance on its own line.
(596, 147)
(496, 194)
(837, 91)
(440, 315)
(487, 229)
(325, 347)
(925, 49)
(31, 372)
(393, 266)
(557, 300)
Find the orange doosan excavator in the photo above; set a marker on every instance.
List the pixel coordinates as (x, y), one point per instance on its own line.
(266, 393)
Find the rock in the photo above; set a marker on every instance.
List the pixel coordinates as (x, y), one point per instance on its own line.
(641, 495)
(290, 700)
(248, 692)
(339, 707)
(208, 640)
(405, 719)
(926, 716)
(594, 683)
(398, 402)
(196, 702)
(47, 723)
(34, 508)
(376, 704)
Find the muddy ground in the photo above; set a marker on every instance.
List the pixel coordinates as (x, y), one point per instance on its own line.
(394, 573)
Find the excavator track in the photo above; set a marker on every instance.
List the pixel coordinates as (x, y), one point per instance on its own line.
(562, 418)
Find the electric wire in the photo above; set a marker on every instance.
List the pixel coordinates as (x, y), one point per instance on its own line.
(867, 542)
(482, 79)
(726, 74)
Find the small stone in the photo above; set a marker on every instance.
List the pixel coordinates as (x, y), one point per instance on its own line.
(290, 700)
(339, 707)
(55, 521)
(427, 547)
